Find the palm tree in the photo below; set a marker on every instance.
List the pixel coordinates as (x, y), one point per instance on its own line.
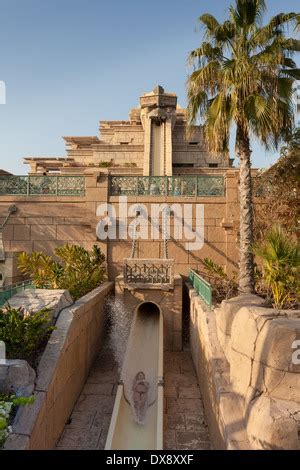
(244, 77)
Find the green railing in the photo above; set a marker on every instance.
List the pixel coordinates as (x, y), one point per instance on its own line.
(11, 185)
(192, 186)
(202, 287)
(9, 291)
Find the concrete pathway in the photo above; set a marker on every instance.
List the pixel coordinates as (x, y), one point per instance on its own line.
(184, 421)
(185, 425)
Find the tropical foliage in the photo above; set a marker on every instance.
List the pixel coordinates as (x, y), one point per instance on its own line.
(280, 255)
(243, 78)
(23, 333)
(77, 270)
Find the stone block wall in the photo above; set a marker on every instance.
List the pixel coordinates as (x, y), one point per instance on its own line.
(170, 303)
(221, 221)
(62, 372)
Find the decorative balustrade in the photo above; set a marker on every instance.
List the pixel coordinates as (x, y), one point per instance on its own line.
(149, 272)
(200, 185)
(202, 287)
(11, 185)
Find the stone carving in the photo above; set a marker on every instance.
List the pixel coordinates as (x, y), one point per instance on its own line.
(166, 186)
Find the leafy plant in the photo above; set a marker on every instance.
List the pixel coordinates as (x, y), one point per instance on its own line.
(8, 403)
(82, 270)
(280, 256)
(24, 333)
(78, 270)
(223, 286)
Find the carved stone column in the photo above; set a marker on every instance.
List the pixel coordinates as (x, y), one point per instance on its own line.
(158, 116)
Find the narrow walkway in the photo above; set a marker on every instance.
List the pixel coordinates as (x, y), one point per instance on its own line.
(185, 426)
(89, 422)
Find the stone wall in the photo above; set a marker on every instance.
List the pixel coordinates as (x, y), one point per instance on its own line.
(42, 223)
(62, 372)
(242, 352)
(221, 221)
(170, 303)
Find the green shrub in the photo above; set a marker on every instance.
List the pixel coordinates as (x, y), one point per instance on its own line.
(43, 270)
(23, 333)
(79, 271)
(280, 256)
(7, 408)
(105, 164)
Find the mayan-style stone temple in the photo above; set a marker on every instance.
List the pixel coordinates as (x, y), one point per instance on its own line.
(154, 141)
(180, 369)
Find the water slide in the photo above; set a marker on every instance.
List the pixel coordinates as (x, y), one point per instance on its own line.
(138, 424)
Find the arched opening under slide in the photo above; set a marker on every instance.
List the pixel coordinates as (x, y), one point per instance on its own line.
(148, 309)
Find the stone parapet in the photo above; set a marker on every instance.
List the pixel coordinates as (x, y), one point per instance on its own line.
(243, 354)
(169, 300)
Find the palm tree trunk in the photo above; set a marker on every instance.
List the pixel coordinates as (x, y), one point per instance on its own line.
(246, 271)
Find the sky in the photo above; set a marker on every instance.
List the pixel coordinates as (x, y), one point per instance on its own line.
(67, 64)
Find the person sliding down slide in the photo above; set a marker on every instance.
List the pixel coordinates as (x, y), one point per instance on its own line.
(140, 389)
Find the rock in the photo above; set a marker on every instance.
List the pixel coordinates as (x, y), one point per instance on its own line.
(33, 300)
(17, 377)
(240, 372)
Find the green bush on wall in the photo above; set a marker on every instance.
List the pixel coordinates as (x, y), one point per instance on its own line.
(24, 333)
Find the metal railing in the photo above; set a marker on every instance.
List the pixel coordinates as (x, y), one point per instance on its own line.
(149, 272)
(8, 292)
(202, 287)
(192, 186)
(36, 185)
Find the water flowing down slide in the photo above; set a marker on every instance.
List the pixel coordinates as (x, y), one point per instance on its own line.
(137, 419)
